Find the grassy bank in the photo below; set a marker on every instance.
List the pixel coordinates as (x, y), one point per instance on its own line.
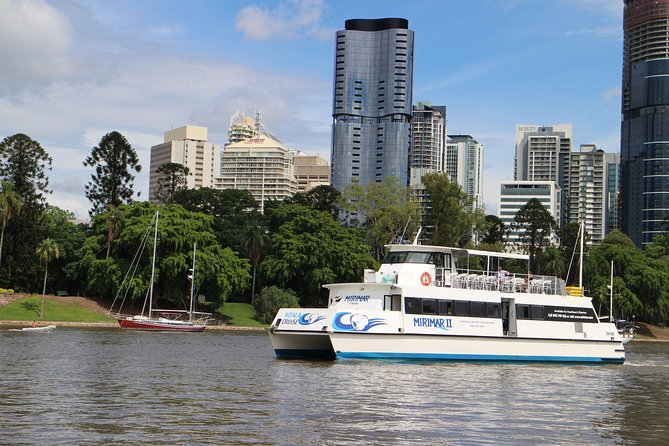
(28, 309)
(241, 315)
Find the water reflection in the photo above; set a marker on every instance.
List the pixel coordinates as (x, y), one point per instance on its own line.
(109, 387)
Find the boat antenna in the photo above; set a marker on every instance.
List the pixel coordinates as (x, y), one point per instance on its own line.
(192, 283)
(415, 240)
(580, 264)
(611, 295)
(153, 264)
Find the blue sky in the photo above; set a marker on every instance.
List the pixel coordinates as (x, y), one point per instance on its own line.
(73, 70)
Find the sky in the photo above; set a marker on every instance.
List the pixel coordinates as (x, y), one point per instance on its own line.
(73, 70)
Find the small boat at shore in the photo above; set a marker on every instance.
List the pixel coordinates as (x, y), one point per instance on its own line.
(426, 303)
(45, 329)
(161, 319)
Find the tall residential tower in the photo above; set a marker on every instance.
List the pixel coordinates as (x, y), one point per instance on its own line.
(644, 141)
(372, 101)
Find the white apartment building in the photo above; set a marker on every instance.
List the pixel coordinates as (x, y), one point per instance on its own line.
(241, 127)
(261, 165)
(187, 146)
(463, 163)
(515, 194)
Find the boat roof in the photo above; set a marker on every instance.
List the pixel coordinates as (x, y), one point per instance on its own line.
(462, 252)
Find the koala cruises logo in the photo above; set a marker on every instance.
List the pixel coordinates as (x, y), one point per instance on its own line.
(355, 322)
(310, 318)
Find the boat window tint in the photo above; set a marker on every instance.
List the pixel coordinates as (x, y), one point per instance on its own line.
(446, 307)
(420, 257)
(429, 306)
(396, 304)
(395, 257)
(461, 308)
(523, 311)
(492, 309)
(537, 312)
(412, 305)
(477, 309)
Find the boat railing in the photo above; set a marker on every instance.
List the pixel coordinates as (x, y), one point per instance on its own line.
(513, 283)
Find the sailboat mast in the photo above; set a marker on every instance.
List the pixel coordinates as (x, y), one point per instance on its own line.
(153, 265)
(580, 269)
(611, 295)
(192, 284)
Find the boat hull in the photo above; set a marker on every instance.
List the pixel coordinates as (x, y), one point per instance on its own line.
(148, 325)
(465, 348)
(300, 344)
(46, 329)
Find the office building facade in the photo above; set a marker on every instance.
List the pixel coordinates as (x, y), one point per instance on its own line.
(463, 163)
(187, 146)
(644, 141)
(372, 101)
(310, 171)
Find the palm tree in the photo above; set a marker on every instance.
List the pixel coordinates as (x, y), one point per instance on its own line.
(46, 250)
(114, 222)
(256, 240)
(10, 205)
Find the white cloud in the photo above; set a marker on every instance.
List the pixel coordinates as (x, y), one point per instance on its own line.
(289, 20)
(613, 93)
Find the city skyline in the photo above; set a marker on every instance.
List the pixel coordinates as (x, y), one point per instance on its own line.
(75, 70)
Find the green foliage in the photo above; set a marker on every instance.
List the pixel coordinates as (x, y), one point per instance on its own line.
(23, 163)
(449, 221)
(219, 272)
(28, 309)
(322, 198)
(309, 249)
(113, 160)
(270, 299)
(172, 179)
(493, 231)
(536, 226)
(239, 314)
(10, 205)
(233, 211)
(385, 210)
(69, 237)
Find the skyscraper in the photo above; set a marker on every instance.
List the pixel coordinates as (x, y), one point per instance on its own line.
(464, 165)
(644, 140)
(372, 101)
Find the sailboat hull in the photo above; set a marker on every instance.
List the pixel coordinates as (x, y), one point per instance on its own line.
(154, 325)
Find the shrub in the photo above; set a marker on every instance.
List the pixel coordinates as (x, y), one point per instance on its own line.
(270, 299)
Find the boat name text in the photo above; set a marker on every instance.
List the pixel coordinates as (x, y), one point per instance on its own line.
(432, 322)
(357, 298)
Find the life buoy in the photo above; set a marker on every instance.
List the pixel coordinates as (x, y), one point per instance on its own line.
(425, 279)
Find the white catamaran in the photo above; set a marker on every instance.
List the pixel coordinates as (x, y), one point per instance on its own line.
(425, 302)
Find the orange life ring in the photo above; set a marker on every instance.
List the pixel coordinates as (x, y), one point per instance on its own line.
(425, 279)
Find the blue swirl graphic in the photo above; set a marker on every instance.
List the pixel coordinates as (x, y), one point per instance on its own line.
(357, 322)
(310, 318)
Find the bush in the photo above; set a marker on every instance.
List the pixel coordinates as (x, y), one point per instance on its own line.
(270, 300)
(6, 291)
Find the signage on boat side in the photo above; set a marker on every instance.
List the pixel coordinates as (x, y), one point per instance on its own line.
(346, 321)
(433, 322)
(298, 318)
(355, 299)
(569, 314)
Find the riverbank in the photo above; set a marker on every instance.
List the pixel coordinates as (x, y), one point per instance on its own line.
(113, 324)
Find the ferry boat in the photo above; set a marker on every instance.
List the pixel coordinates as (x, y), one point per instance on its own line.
(426, 303)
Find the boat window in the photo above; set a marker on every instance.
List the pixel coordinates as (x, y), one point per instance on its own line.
(492, 309)
(429, 306)
(446, 307)
(537, 312)
(392, 302)
(523, 311)
(412, 305)
(395, 257)
(410, 257)
(461, 308)
(477, 309)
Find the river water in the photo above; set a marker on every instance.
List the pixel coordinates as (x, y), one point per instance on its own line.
(104, 387)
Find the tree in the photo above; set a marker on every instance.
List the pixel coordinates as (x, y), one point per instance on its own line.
(322, 198)
(310, 248)
(10, 205)
(384, 210)
(113, 160)
(270, 300)
(172, 178)
(59, 225)
(448, 217)
(256, 241)
(114, 224)
(494, 230)
(23, 164)
(535, 226)
(47, 250)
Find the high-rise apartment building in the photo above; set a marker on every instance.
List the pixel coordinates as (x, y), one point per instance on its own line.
(463, 163)
(612, 191)
(372, 100)
(515, 194)
(261, 165)
(310, 171)
(187, 146)
(428, 137)
(241, 127)
(593, 181)
(644, 141)
(542, 154)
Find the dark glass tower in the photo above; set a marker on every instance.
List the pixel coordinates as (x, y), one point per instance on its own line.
(644, 142)
(372, 102)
